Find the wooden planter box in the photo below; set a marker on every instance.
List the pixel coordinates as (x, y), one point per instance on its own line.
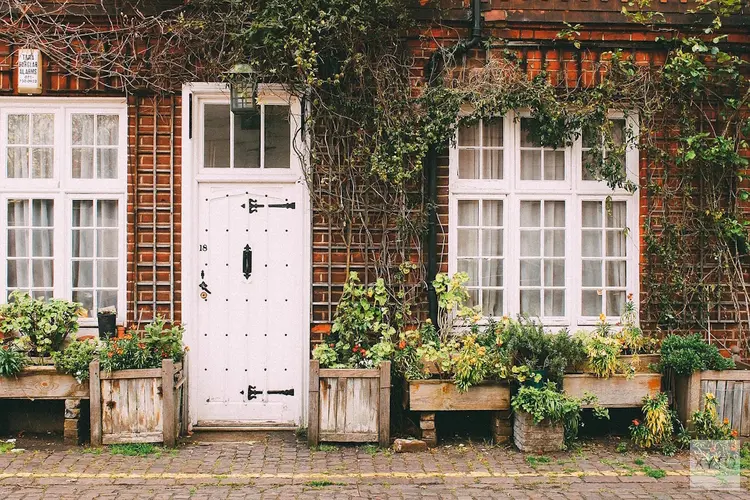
(430, 396)
(732, 391)
(139, 406)
(349, 405)
(44, 382)
(543, 437)
(640, 361)
(617, 391)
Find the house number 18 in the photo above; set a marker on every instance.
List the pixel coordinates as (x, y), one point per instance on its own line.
(202, 248)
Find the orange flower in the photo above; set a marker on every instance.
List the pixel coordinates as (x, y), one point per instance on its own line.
(141, 345)
(734, 433)
(726, 421)
(402, 344)
(110, 354)
(630, 296)
(636, 422)
(187, 348)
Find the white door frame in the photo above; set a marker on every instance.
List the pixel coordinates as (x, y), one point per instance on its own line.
(191, 176)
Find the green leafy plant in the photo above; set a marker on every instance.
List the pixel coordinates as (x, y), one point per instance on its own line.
(147, 350)
(547, 403)
(657, 429)
(135, 449)
(12, 361)
(706, 424)
(75, 358)
(41, 326)
(690, 353)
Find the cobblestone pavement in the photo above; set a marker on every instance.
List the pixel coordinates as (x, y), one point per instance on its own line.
(277, 466)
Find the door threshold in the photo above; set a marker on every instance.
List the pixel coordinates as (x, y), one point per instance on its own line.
(221, 426)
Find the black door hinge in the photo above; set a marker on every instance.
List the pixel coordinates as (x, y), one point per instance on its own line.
(252, 205)
(252, 393)
(285, 392)
(291, 205)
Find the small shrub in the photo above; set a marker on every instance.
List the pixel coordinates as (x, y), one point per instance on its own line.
(706, 423)
(688, 354)
(75, 359)
(11, 361)
(135, 351)
(656, 429)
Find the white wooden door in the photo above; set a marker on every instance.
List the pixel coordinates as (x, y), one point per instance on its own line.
(250, 307)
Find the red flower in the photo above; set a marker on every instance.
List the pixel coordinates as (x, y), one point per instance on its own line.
(636, 422)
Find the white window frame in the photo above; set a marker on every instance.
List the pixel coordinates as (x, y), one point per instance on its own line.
(573, 191)
(63, 188)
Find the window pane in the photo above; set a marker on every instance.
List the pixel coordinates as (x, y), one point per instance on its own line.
(493, 133)
(247, 141)
(18, 242)
(615, 303)
(278, 141)
(18, 273)
(554, 214)
(554, 302)
(616, 244)
(591, 214)
(526, 140)
(42, 213)
(41, 243)
(492, 213)
(531, 274)
(554, 165)
(468, 164)
(591, 303)
(473, 298)
(554, 272)
(492, 302)
(468, 213)
(42, 129)
(41, 163)
(18, 212)
(83, 163)
(591, 244)
(618, 131)
(531, 165)
(530, 243)
(83, 242)
(216, 147)
(492, 242)
(106, 213)
(531, 214)
(83, 273)
(85, 297)
(470, 267)
(492, 272)
(82, 130)
(106, 163)
(468, 242)
(530, 302)
(107, 243)
(617, 214)
(591, 273)
(554, 243)
(83, 213)
(18, 163)
(616, 274)
(492, 166)
(41, 270)
(468, 135)
(106, 298)
(106, 273)
(107, 130)
(18, 129)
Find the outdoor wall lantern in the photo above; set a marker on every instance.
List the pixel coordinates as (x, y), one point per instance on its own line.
(243, 90)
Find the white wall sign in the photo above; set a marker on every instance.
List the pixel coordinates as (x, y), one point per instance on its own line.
(29, 71)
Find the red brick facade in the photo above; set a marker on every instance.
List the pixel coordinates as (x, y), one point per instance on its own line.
(527, 27)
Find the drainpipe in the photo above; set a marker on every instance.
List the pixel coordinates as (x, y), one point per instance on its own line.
(457, 51)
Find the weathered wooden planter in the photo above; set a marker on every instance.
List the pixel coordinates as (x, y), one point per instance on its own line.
(543, 437)
(139, 406)
(431, 396)
(44, 382)
(732, 391)
(349, 405)
(617, 391)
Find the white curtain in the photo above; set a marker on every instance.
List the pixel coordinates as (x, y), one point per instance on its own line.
(616, 246)
(24, 272)
(83, 252)
(492, 248)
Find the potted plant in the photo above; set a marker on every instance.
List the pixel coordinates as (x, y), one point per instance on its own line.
(547, 420)
(107, 322)
(142, 369)
(354, 358)
(32, 331)
(619, 365)
(699, 369)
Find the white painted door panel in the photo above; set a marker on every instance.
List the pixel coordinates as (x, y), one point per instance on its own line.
(250, 313)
